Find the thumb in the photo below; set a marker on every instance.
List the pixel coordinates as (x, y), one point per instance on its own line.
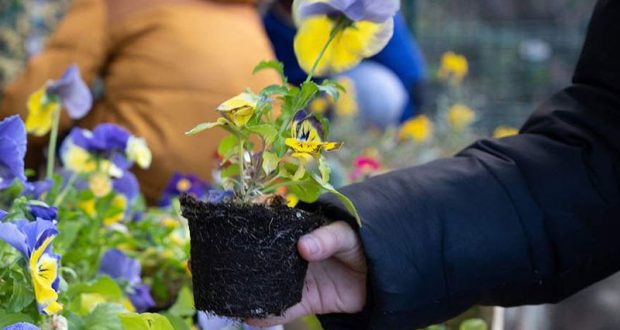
(325, 242)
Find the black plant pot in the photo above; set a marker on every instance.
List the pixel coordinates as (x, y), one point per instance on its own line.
(244, 258)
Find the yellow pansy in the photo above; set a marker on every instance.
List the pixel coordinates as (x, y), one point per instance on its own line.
(40, 112)
(100, 184)
(454, 67)
(88, 207)
(137, 151)
(351, 42)
(119, 203)
(44, 271)
(504, 131)
(239, 109)
(307, 137)
(460, 117)
(419, 129)
(77, 159)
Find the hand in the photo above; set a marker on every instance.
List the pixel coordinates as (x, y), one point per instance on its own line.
(336, 277)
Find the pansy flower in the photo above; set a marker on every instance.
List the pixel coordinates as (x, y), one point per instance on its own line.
(307, 137)
(126, 271)
(33, 240)
(22, 326)
(364, 166)
(42, 211)
(418, 129)
(12, 151)
(460, 117)
(183, 184)
(239, 109)
(504, 131)
(69, 92)
(36, 190)
(351, 29)
(454, 67)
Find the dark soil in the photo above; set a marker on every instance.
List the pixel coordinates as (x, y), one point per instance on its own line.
(245, 262)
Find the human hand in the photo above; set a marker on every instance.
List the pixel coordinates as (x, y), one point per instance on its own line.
(336, 277)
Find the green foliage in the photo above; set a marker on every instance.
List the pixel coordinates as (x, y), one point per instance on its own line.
(474, 324)
(145, 321)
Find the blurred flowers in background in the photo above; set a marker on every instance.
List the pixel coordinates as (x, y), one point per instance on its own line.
(454, 67)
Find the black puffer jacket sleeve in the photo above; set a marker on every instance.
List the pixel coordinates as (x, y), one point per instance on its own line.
(521, 220)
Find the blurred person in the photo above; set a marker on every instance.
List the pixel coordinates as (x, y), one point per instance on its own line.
(526, 219)
(165, 65)
(401, 58)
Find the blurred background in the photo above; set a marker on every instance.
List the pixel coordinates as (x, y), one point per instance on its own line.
(519, 53)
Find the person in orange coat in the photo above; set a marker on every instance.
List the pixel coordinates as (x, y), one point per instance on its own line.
(165, 66)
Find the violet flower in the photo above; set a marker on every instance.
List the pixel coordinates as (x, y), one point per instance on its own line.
(12, 151)
(33, 240)
(377, 11)
(183, 184)
(35, 190)
(127, 185)
(21, 326)
(219, 196)
(126, 270)
(72, 92)
(41, 211)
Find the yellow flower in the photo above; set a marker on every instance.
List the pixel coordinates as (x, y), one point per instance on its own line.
(460, 117)
(119, 204)
(78, 159)
(170, 223)
(454, 67)
(347, 104)
(139, 152)
(239, 109)
(319, 105)
(40, 112)
(307, 140)
(356, 41)
(88, 207)
(44, 271)
(505, 131)
(292, 200)
(418, 129)
(100, 184)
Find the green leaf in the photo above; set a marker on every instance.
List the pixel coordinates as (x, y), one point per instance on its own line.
(21, 297)
(145, 321)
(309, 90)
(474, 324)
(324, 169)
(306, 190)
(205, 126)
(332, 88)
(104, 317)
(227, 146)
(274, 90)
(274, 65)
(184, 306)
(344, 199)
(68, 232)
(104, 286)
(8, 318)
(270, 162)
(231, 171)
(177, 322)
(268, 132)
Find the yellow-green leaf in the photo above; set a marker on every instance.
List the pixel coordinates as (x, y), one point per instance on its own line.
(270, 162)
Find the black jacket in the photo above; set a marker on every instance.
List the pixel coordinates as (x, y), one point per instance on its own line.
(522, 220)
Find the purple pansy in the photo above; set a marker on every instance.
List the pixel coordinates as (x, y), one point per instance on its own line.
(183, 184)
(12, 150)
(41, 211)
(26, 236)
(21, 326)
(209, 321)
(72, 92)
(219, 196)
(124, 269)
(356, 10)
(127, 185)
(36, 189)
(3, 214)
(106, 140)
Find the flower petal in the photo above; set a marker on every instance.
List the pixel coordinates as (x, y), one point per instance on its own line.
(40, 111)
(119, 266)
(356, 10)
(12, 235)
(360, 40)
(21, 326)
(73, 92)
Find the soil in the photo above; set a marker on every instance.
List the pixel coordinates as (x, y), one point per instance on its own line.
(244, 258)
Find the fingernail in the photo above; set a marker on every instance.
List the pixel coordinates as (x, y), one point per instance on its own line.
(311, 244)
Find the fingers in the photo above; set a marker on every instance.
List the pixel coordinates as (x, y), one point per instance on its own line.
(290, 315)
(336, 238)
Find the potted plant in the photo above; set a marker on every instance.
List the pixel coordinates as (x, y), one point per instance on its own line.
(243, 238)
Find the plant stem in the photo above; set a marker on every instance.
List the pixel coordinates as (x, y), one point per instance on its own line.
(241, 168)
(51, 150)
(340, 24)
(64, 192)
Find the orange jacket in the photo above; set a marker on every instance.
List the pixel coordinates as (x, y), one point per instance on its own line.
(165, 66)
